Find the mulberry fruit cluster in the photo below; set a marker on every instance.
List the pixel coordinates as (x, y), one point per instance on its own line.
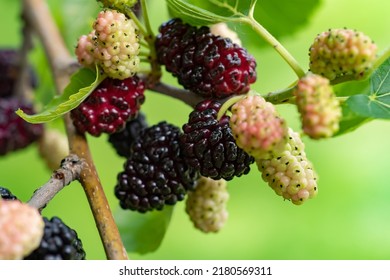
(339, 52)
(257, 127)
(290, 174)
(109, 106)
(155, 174)
(209, 146)
(209, 65)
(318, 106)
(206, 205)
(113, 45)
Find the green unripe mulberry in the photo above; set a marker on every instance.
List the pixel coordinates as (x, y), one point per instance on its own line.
(206, 205)
(339, 52)
(290, 174)
(318, 106)
(118, 4)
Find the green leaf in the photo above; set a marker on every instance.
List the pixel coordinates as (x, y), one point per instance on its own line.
(352, 88)
(280, 18)
(207, 12)
(81, 85)
(143, 233)
(350, 121)
(377, 103)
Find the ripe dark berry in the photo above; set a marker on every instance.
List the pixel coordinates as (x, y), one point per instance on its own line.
(209, 146)
(10, 71)
(209, 65)
(59, 242)
(122, 140)
(155, 174)
(110, 106)
(6, 194)
(16, 133)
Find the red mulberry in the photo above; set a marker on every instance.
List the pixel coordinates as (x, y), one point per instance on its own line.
(110, 106)
(208, 65)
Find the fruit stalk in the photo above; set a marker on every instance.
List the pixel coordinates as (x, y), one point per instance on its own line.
(259, 29)
(37, 15)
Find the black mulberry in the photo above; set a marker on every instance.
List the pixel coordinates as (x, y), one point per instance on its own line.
(155, 174)
(209, 146)
(59, 242)
(6, 194)
(122, 140)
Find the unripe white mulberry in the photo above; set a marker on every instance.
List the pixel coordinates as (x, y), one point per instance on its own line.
(21, 229)
(318, 106)
(119, 4)
(117, 48)
(339, 52)
(290, 174)
(85, 50)
(206, 205)
(53, 148)
(257, 127)
(113, 45)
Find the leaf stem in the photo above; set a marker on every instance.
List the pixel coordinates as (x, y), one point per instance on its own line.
(281, 96)
(270, 39)
(227, 104)
(138, 23)
(145, 16)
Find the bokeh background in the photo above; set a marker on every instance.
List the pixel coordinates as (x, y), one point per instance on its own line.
(349, 219)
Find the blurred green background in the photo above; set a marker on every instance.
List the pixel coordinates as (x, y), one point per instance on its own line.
(349, 219)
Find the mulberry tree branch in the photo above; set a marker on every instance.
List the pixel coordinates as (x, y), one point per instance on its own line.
(38, 16)
(69, 171)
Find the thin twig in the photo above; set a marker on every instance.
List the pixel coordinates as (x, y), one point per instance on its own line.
(69, 171)
(63, 65)
(186, 96)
